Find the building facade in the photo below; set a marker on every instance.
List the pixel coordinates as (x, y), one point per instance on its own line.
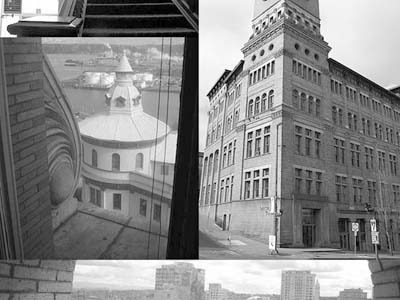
(353, 294)
(299, 144)
(299, 285)
(182, 280)
(126, 165)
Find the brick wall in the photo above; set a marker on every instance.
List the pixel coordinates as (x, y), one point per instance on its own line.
(24, 74)
(386, 280)
(36, 279)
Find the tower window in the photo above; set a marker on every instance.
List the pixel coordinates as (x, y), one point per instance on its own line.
(139, 161)
(316, 56)
(262, 52)
(115, 162)
(307, 52)
(94, 158)
(297, 46)
(271, 47)
(157, 213)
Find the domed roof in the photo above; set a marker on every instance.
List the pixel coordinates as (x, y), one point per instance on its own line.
(125, 120)
(123, 127)
(165, 151)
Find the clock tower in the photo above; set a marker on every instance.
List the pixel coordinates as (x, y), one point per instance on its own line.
(309, 6)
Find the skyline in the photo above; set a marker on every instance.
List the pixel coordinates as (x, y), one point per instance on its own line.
(249, 276)
(355, 34)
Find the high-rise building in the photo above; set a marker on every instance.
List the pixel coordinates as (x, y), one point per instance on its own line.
(296, 136)
(299, 285)
(216, 292)
(352, 294)
(183, 279)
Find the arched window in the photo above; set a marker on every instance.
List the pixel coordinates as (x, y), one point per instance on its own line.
(216, 159)
(257, 106)
(318, 107)
(270, 99)
(310, 105)
(340, 117)
(115, 162)
(250, 110)
(303, 100)
(205, 165)
(263, 102)
(139, 161)
(334, 115)
(94, 158)
(295, 99)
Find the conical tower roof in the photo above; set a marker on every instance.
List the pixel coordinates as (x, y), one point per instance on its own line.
(124, 65)
(125, 121)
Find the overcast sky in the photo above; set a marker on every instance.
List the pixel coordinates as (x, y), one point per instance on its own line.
(243, 276)
(363, 35)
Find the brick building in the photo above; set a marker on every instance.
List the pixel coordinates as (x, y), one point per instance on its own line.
(299, 140)
(36, 279)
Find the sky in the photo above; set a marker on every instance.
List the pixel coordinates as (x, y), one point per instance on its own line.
(241, 276)
(363, 35)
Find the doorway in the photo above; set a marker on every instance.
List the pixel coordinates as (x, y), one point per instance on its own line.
(344, 234)
(309, 226)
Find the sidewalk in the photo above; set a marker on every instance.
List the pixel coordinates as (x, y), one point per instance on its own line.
(217, 244)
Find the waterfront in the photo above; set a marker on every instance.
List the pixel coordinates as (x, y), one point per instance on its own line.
(91, 101)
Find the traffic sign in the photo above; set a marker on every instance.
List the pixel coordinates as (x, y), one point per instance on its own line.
(355, 227)
(375, 237)
(272, 241)
(373, 225)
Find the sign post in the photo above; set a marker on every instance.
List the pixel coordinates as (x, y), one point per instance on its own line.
(374, 235)
(355, 228)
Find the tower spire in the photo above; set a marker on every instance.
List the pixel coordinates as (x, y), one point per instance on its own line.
(124, 97)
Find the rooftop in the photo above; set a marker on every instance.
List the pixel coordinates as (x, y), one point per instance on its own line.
(92, 232)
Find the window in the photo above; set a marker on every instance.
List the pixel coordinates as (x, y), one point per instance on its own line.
(117, 201)
(308, 182)
(298, 180)
(369, 158)
(306, 72)
(298, 136)
(318, 183)
(295, 99)
(229, 154)
(249, 144)
(247, 185)
(257, 148)
(308, 140)
(115, 162)
(143, 207)
(164, 169)
(270, 99)
(303, 101)
(267, 131)
(250, 109)
(357, 190)
(257, 106)
(265, 183)
(95, 197)
(393, 164)
(224, 157)
(317, 142)
(94, 158)
(396, 192)
(264, 102)
(371, 192)
(157, 213)
(339, 151)
(227, 192)
(355, 155)
(341, 188)
(382, 161)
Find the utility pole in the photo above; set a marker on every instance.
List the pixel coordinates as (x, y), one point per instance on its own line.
(275, 211)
